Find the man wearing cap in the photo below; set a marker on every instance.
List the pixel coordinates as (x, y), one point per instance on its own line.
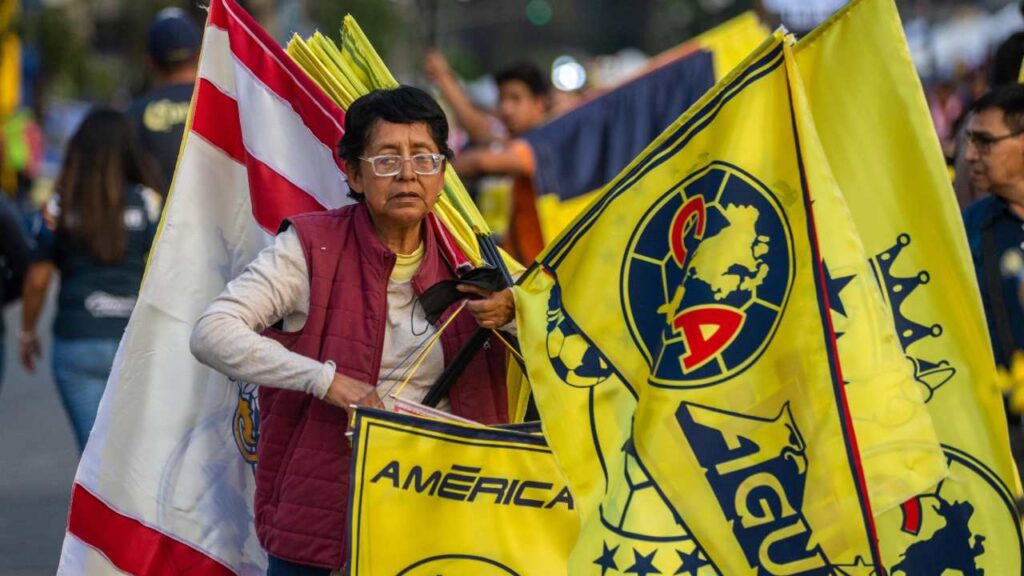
(159, 115)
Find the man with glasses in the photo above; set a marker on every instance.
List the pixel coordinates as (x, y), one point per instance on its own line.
(995, 224)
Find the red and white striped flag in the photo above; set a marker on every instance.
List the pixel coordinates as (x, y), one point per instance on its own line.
(165, 485)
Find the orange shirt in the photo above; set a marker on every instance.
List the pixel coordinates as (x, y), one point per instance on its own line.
(524, 240)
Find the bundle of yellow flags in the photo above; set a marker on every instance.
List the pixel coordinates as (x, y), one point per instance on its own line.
(354, 69)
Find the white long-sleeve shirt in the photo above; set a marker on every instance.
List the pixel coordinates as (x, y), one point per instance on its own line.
(275, 286)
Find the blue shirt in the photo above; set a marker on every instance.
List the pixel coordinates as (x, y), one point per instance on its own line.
(1008, 239)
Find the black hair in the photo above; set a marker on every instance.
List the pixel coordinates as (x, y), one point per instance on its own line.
(526, 73)
(402, 105)
(1006, 60)
(1010, 99)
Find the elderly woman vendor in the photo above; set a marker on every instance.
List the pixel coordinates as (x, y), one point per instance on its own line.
(328, 317)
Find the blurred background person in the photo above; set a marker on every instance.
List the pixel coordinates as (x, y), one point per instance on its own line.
(1003, 68)
(105, 217)
(501, 164)
(524, 98)
(995, 225)
(14, 253)
(159, 116)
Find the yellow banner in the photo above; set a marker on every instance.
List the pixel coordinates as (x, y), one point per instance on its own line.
(431, 497)
(722, 287)
(872, 118)
(587, 411)
(10, 58)
(694, 283)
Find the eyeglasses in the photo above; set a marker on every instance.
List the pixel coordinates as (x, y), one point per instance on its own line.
(984, 142)
(424, 164)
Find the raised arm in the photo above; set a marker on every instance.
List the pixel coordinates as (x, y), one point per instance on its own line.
(477, 123)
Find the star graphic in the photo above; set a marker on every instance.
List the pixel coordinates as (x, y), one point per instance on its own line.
(643, 565)
(834, 287)
(607, 559)
(858, 568)
(691, 563)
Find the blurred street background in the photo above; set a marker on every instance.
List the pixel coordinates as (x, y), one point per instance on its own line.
(59, 57)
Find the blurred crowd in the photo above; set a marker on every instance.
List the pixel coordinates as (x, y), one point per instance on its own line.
(89, 230)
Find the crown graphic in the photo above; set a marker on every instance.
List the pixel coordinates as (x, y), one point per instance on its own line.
(897, 289)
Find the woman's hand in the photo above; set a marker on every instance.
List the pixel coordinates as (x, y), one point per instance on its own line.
(493, 309)
(28, 350)
(346, 392)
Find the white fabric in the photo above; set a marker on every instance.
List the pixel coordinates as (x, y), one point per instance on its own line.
(165, 449)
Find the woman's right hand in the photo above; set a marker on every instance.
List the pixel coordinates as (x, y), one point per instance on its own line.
(28, 350)
(346, 392)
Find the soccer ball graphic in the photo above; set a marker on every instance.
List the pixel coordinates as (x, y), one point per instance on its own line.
(573, 358)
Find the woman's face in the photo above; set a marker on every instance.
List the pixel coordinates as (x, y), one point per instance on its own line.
(404, 199)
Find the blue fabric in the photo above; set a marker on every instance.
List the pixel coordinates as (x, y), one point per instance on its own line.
(1009, 238)
(80, 369)
(584, 149)
(279, 567)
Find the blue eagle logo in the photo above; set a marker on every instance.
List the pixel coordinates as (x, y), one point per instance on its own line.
(707, 276)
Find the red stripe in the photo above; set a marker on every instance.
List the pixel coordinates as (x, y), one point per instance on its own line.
(274, 198)
(456, 259)
(838, 381)
(216, 119)
(912, 516)
(131, 545)
(258, 52)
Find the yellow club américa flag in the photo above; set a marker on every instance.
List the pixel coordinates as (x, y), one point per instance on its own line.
(742, 416)
(872, 119)
(433, 497)
(587, 410)
(693, 283)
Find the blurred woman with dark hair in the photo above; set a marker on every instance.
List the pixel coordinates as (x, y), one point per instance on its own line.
(105, 213)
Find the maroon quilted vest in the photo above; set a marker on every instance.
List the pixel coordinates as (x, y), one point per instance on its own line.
(304, 458)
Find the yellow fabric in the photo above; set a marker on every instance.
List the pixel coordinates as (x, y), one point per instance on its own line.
(710, 226)
(431, 497)
(782, 407)
(586, 412)
(898, 445)
(873, 122)
(10, 58)
(731, 42)
(406, 265)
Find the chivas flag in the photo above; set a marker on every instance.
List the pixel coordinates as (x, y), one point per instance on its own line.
(435, 497)
(695, 283)
(165, 484)
(873, 121)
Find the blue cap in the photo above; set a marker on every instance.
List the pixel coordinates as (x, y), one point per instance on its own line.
(173, 37)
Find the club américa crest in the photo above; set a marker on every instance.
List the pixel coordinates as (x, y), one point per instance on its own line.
(707, 276)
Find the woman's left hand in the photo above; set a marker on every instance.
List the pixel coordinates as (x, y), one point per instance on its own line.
(493, 309)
